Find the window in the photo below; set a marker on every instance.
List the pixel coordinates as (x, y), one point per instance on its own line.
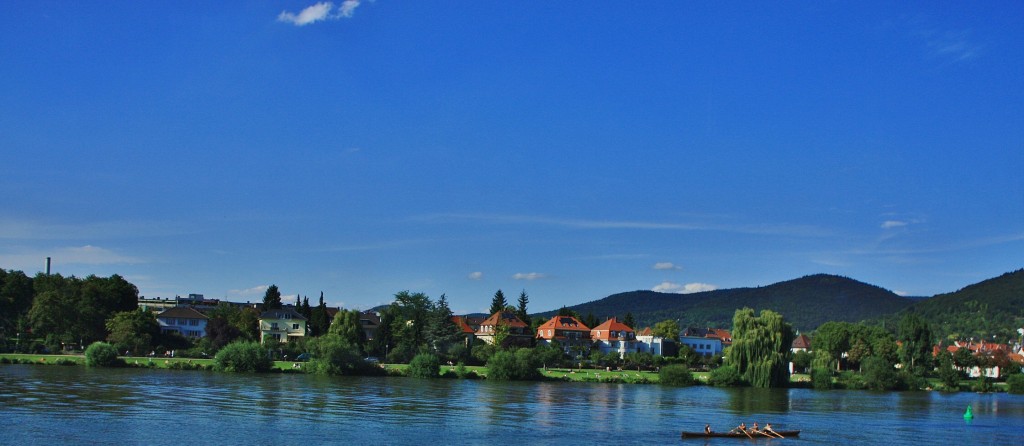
(295, 326)
(273, 326)
(193, 322)
(182, 322)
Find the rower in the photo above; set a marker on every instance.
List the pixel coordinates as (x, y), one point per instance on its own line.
(742, 427)
(707, 428)
(755, 428)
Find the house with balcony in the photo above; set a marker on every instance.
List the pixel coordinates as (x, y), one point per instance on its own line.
(183, 321)
(283, 325)
(515, 329)
(566, 331)
(614, 337)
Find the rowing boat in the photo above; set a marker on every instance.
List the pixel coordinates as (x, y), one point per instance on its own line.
(739, 434)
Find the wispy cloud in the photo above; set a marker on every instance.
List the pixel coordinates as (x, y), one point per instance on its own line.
(890, 224)
(756, 229)
(257, 290)
(17, 229)
(956, 46)
(528, 276)
(672, 287)
(34, 259)
(476, 275)
(667, 266)
(319, 12)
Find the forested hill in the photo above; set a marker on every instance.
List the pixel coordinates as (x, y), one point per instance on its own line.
(991, 307)
(806, 302)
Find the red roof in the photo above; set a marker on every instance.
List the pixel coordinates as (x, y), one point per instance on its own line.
(802, 341)
(507, 318)
(461, 323)
(603, 331)
(560, 325)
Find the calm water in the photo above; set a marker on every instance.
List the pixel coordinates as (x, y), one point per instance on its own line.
(56, 405)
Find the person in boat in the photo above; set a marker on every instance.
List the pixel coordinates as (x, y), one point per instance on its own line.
(768, 429)
(741, 428)
(755, 429)
(707, 428)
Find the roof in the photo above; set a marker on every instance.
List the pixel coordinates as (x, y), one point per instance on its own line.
(282, 313)
(507, 318)
(564, 323)
(711, 333)
(646, 332)
(802, 341)
(182, 313)
(610, 325)
(463, 326)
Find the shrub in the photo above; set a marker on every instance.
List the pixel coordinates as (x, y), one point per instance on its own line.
(1015, 383)
(509, 366)
(462, 372)
(675, 375)
(821, 379)
(984, 384)
(333, 356)
(879, 374)
(242, 356)
(101, 354)
(725, 376)
(425, 365)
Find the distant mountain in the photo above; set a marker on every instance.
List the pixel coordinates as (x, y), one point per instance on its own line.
(806, 302)
(991, 307)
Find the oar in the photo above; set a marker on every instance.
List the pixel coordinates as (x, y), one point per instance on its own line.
(775, 434)
(748, 433)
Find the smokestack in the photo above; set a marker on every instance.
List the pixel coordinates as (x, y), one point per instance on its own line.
(47, 266)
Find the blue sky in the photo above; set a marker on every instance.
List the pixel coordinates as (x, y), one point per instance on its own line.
(572, 150)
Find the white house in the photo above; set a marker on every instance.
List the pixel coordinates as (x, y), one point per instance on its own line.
(184, 321)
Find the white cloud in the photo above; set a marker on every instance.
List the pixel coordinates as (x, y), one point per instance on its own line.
(528, 276)
(35, 259)
(889, 224)
(667, 266)
(672, 287)
(319, 12)
(257, 290)
(476, 275)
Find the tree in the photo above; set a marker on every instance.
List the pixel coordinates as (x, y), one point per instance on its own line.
(629, 321)
(831, 340)
(220, 332)
(521, 364)
(411, 312)
(916, 336)
(879, 374)
(16, 295)
(521, 309)
(443, 335)
(334, 356)
(591, 321)
(425, 365)
(948, 375)
(761, 347)
(498, 303)
(272, 298)
(101, 354)
(347, 327)
(133, 330)
(306, 310)
(242, 356)
(675, 375)
(802, 361)
(319, 322)
(668, 329)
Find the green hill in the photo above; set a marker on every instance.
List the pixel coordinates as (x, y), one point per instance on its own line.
(994, 307)
(806, 302)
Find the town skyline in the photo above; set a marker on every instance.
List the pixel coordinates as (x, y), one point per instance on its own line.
(363, 148)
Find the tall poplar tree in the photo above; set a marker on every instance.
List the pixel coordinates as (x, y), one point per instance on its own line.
(760, 349)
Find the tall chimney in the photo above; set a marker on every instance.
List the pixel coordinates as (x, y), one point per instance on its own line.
(47, 266)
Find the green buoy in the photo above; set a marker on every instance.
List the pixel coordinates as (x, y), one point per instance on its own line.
(969, 414)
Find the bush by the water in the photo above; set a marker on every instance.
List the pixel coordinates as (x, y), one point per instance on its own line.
(821, 378)
(102, 354)
(675, 375)
(725, 376)
(513, 366)
(1015, 383)
(242, 357)
(425, 365)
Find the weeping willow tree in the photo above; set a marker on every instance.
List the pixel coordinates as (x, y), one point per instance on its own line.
(760, 347)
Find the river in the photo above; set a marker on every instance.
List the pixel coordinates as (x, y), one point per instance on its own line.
(57, 405)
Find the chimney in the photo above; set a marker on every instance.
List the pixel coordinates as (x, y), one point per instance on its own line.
(47, 266)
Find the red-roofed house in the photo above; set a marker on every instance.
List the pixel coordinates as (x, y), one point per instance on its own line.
(567, 331)
(801, 344)
(517, 329)
(614, 336)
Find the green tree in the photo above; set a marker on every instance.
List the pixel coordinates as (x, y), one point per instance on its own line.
(802, 361)
(948, 375)
(16, 295)
(425, 365)
(346, 326)
(133, 330)
(521, 309)
(725, 376)
(498, 302)
(443, 335)
(243, 356)
(830, 341)
(1015, 384)
(879, 374)
(319, 322)
(334, 356)
(916, 349)
(272, 298)
(761, 347)
(668, 329)
(412, 315)
(629, 321)
(675, 375)
(101, 354)
(516, 365)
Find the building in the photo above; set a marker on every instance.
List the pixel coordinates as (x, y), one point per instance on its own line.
(614, 337)
(706, 341)
(283, 325)
(646, 342)
(370, 321)
(567, 331)
(801, 344)
(517, 329)
(184, 321)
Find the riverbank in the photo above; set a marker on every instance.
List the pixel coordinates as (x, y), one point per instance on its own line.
(548, 374)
